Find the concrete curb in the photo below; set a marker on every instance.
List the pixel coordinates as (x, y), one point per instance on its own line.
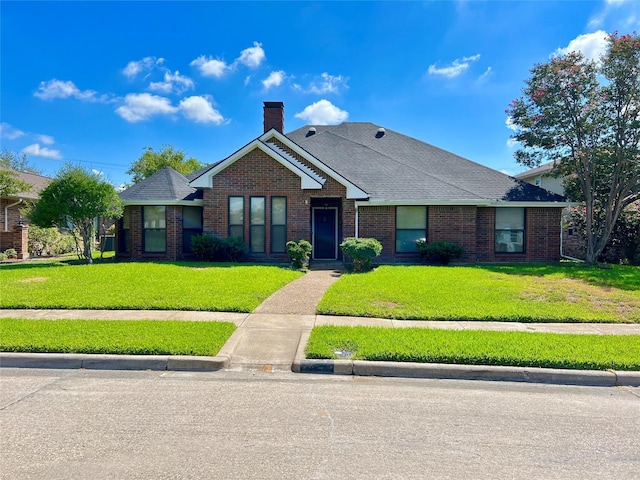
(594, 378)
(112, 362)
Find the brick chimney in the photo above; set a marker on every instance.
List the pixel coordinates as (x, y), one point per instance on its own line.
(274, 116)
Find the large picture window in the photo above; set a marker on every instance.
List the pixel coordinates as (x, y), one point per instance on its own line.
(191, 226)
(278, 224)
(257, 224)
(236, 217)
(509, 230)
(411, 225)
(154, 221)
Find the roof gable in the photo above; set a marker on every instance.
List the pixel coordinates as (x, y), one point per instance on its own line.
(308, 178)
(353, 191)
(37, 182)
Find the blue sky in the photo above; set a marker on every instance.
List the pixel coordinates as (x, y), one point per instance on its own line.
(94, 83)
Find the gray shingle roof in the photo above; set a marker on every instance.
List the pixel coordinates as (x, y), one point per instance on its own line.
(166, 185)
(395, 167)
(37, 182)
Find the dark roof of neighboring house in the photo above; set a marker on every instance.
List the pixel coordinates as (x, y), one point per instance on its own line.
(544, 169)
(37, 182)
(166, 185)
(394, 167)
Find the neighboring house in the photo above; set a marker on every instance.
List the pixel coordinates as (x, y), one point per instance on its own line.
(542, 177)
(13, 228)
(326, 183)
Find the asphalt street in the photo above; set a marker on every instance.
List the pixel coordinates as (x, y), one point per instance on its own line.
(101, 424)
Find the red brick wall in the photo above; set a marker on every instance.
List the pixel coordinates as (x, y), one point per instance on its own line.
(542, 236)
(470, 227)
(257, 174)
(173, 232)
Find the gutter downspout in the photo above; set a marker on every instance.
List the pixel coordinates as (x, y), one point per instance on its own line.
(6, 214)
(562, 255)
(357, 219)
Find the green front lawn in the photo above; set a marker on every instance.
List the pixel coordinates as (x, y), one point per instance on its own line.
(140, 286)
(524, 293)
(134, 337)
(476, 347)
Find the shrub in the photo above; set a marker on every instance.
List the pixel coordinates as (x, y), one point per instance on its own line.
(11, 253)
(206, 247)
(3, 256)
(49, 241)
(213, 249)
(440, 252)
(299, 253)
(234, 249)
(361, 251)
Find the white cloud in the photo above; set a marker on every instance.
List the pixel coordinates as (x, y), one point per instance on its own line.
(200, 109)
(210, 67)
(488, 72)
(457, 67)
(172, 82)
(141, 106)
(135, 67)
(511, 142)
(63, 89)
(39, 151)
(97, 173)
(10, 132)
(46, 139)
(274, 79)
(327, 84)
(252, 57)
(323, 112)
(591, 45)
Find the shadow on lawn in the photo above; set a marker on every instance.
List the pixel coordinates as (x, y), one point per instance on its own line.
(623, 277)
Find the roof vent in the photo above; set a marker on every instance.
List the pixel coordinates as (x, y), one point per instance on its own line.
(381, 132)
(311, 131)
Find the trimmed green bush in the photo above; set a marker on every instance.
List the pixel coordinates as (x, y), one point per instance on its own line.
(361, 251)
(299, 253)
(11, 253)
(213, 249)
(440, 252)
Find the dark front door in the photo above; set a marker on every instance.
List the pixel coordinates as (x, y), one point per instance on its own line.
(325, 229)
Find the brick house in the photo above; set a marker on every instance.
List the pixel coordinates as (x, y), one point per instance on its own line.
(13, 227)
(326, 183)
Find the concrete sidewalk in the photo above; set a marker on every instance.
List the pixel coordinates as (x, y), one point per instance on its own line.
(274, 336)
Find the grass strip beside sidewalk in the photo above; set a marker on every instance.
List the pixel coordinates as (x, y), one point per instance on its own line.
(131, 337)
(476, 347)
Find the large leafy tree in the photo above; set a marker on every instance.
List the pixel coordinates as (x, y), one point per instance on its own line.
(73, 200)
(17, 161)
(585, 117)
(151, 161)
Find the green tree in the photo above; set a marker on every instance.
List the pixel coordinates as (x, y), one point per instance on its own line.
(151, 161)
(10, 184)
(73, 200)
(17, 161)
(585, 117)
